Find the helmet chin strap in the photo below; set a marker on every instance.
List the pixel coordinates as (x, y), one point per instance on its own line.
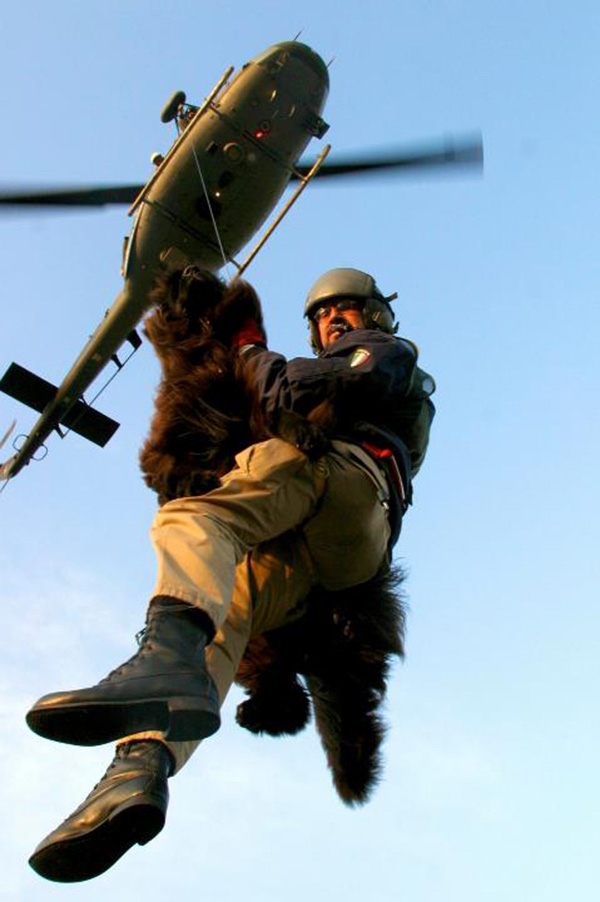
(378, 314)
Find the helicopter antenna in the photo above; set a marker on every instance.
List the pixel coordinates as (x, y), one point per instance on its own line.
(298, 35)
(332, 60)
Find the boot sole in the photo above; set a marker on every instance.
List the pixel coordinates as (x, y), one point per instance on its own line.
(85, 857)
(180, 719)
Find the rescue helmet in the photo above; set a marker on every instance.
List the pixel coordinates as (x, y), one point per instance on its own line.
(353, 284)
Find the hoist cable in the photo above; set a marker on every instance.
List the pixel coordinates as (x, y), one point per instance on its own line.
(98, 393)
(212, 215)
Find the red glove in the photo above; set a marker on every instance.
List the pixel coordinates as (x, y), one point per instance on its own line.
(250, 334)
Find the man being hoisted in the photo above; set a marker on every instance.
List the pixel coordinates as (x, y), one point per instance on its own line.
(237, 560)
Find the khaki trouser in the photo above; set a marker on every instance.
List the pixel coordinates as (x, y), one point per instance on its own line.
(249, 552)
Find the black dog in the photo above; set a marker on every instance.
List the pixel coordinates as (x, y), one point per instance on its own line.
(206, 412)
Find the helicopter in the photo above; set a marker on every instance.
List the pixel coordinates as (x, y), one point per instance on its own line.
(226, 171)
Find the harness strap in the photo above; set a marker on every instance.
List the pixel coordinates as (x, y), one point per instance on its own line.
(385, 458)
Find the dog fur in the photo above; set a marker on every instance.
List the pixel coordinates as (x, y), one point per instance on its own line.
(336, 658)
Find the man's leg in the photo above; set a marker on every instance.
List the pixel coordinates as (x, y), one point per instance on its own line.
(129, 803)
(270, 587)
(348, 538)
(343, 544)
(198, 541)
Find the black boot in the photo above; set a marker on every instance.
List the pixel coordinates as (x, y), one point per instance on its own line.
(164, 686)
(127, 806)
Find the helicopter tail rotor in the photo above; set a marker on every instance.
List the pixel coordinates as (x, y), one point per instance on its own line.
(35, 392)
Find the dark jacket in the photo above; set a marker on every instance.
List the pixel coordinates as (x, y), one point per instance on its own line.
(379, 394)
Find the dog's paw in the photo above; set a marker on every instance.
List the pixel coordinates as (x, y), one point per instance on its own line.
(310, 438)
(239, 309)
(275, 713)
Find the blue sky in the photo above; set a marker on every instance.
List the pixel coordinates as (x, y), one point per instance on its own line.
(491, 789)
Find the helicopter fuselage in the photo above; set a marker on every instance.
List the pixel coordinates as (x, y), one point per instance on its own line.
(209, 195)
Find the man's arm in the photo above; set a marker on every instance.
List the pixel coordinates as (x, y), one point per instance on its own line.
(360, 375)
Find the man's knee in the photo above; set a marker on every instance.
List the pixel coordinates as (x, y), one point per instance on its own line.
(348, 538)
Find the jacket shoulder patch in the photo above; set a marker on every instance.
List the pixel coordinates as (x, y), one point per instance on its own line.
(360, 356)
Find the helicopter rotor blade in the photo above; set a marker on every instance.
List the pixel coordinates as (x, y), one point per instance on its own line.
(449, 154)
(72, 197)
(8, 433)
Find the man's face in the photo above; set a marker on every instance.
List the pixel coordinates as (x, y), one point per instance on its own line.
(336, 317)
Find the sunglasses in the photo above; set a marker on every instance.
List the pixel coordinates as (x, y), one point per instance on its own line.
(340, 305)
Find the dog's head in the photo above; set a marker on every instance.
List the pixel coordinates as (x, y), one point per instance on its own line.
(184, 302)
(192, 294)
(193, 304)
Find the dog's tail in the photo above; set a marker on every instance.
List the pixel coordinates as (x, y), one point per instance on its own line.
(346, 674)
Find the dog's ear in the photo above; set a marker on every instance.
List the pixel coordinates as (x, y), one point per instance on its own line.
(191, 293)
(165, 292)
(200, 291)
(239, 305)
